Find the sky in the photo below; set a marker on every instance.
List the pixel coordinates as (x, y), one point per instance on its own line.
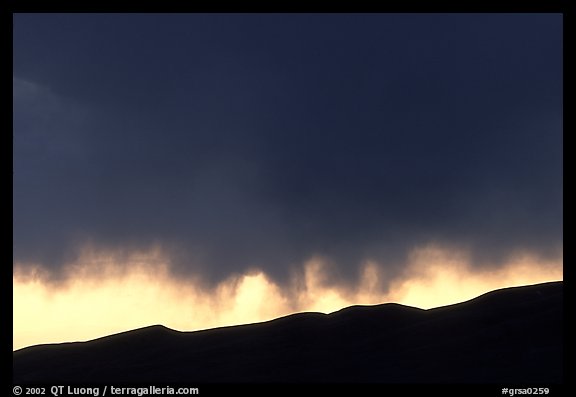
(199, 170)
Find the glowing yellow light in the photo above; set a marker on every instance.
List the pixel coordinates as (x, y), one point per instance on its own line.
(100, 298)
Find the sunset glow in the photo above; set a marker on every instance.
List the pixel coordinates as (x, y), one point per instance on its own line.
(119, 298)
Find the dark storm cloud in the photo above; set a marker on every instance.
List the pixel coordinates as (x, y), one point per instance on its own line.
(261, 140)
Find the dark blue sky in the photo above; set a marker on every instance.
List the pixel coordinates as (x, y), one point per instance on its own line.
(238, 141)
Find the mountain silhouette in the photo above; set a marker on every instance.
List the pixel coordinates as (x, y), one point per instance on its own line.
(512, 335)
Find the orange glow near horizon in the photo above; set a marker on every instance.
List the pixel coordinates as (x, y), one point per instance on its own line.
(101, 298)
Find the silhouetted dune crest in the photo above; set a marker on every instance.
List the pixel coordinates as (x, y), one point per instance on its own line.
(508, 335)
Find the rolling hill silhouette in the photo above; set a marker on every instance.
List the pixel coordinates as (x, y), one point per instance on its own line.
(510, 335)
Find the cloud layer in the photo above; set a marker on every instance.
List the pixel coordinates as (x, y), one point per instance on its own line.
(242, 142)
